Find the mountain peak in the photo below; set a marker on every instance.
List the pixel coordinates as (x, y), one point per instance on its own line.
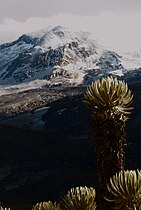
(60, 56)
(49, 30)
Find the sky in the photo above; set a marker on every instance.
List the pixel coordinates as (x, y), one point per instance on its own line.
(114, 23)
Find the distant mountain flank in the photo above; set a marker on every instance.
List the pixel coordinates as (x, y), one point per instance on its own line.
(60, 56)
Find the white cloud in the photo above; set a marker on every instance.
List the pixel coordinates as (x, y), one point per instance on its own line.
(120, 32)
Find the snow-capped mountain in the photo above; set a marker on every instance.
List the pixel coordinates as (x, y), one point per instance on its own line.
(60, 56)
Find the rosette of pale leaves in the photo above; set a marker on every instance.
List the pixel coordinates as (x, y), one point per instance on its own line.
(125, 190)
(79, 198)
(46, 206)
(1, 208)
(109, 96)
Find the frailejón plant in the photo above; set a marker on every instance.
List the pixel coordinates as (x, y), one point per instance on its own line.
(79, 198)
(109, 97)
(46, 206)
(125, 190)
(110, 100)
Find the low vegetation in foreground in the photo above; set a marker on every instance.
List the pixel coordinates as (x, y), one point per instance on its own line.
(116, 187)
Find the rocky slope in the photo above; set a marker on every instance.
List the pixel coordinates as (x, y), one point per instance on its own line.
(60, 56)
(46, 54)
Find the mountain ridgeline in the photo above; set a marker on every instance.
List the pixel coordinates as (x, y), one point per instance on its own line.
(59, 56)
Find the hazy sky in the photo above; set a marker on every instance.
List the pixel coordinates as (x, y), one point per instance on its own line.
(115, 23)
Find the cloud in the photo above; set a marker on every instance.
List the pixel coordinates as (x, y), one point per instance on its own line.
(117, 31)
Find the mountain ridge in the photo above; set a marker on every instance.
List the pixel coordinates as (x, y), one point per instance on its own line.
(60, 56)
